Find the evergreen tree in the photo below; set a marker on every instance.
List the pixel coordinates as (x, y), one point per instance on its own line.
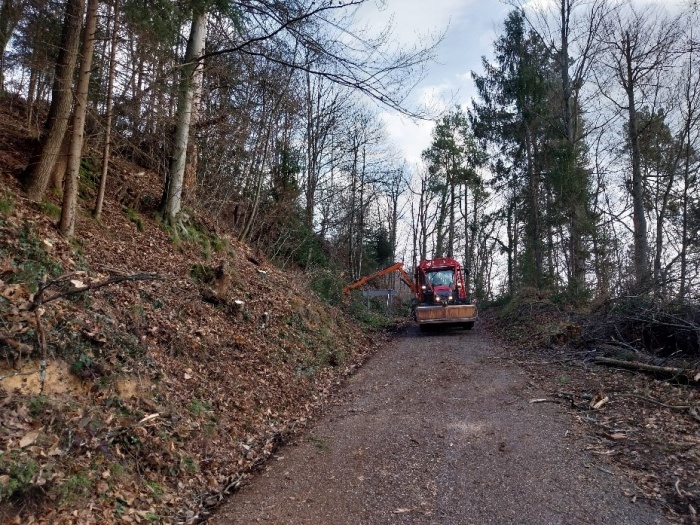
(512, 118)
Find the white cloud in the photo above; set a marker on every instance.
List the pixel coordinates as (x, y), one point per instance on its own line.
(411, 137)
(471, 27)
(412, 20)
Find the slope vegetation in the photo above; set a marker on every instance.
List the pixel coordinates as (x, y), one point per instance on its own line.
(143, 376)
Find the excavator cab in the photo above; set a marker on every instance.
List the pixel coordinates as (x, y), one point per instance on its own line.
(442, 295)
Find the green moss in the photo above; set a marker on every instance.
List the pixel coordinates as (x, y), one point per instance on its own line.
(6, 205)
(199, 407)
(20, 470)
(37, 405)
(75, 486)
(50, 209)
(134, 217)
(31, 261)
(202, 273)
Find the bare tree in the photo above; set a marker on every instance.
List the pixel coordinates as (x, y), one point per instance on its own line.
(109, 113)
(10, 14)
(277, 32)
(191, 67)
(638, 45)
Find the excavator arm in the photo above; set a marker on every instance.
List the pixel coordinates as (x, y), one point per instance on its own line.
(396, 267)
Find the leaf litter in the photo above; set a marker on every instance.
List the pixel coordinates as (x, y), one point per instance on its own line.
(153, 402)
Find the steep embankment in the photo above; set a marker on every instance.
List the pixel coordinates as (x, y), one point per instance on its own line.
(163, 389)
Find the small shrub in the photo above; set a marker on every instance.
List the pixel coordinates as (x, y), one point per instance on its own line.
(155, 488)
(82, 364)
(218, 244)
(134, 217)
(373, 318)
(37, 405)
(6, 205)
(328, 286)
(20, 470)
(202, 273)
(78, 485)
(198, 407)
(51, 209)
(189, 464)
(32, 261)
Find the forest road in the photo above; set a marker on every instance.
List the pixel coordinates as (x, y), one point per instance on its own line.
(434, 430)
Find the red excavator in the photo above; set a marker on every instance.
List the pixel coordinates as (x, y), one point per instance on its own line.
(440, 292)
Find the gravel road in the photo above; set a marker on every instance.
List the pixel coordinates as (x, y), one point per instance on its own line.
(434, 430)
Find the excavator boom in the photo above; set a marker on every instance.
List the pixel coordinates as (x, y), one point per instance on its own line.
(396, 267)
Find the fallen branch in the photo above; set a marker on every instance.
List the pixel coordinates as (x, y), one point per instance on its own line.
(534, 363)
(544, 400)
(692, 411)
(39, 297)
(16, 348)
(656, 402)
(693, 376)
(15, 374)
(41, 336)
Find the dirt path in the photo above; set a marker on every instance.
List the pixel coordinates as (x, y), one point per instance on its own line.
(433, 431)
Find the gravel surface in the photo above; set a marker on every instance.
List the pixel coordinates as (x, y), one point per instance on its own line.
(431, 430)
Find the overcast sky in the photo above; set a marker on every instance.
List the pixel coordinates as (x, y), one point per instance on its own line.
(470, 27)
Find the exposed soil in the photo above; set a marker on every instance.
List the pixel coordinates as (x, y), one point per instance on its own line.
(441, 428)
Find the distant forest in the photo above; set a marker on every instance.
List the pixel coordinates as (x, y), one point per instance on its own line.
(574, 170)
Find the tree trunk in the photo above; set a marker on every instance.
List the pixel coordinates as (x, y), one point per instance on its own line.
(250, 219)
(423, 210)
(176, 174)
(99, 202)
(58, 173)
(353, 209)
(32, 89)
(451, 231)
(361, 218)
(468, 242)
(688, 151)
(311, 153)
(10, 15)
(660, 219)
(641, 270)
(534, 230)
(70, 187)
(684, 230)
(38, 173)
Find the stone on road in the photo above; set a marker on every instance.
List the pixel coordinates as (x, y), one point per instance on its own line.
(431, 430)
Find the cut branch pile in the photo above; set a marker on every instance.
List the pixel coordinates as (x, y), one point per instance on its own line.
(661, 329)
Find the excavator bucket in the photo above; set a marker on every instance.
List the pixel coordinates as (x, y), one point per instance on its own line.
(454, 313)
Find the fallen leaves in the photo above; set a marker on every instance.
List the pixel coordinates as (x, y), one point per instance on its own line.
(177, 401)
(29, 438)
